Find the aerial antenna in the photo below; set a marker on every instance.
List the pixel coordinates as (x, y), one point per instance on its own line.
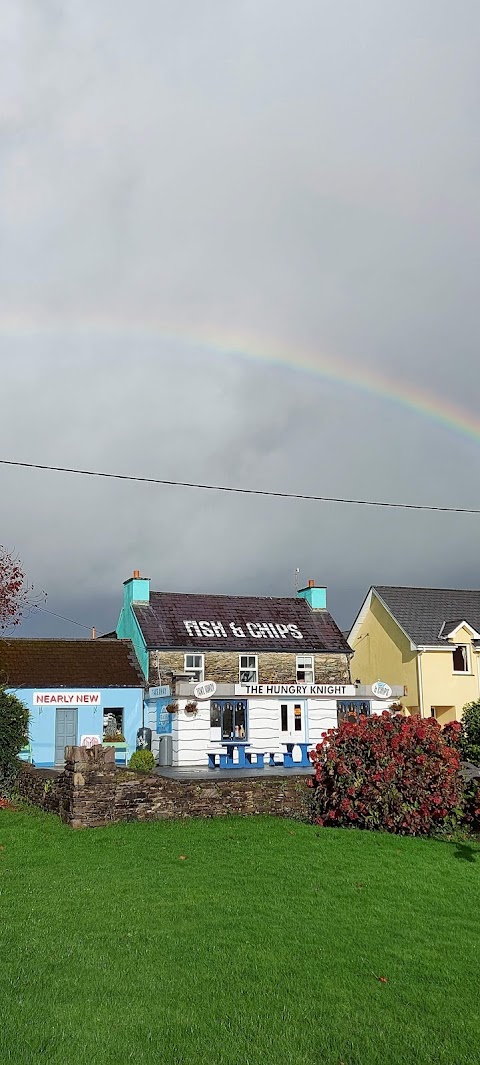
(295, 579)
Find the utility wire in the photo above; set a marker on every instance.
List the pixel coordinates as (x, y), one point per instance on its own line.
(62, 618)
(240, 491)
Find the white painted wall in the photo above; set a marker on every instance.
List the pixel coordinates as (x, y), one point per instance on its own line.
(192, 736)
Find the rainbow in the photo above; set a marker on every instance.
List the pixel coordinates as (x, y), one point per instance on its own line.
(332, 369)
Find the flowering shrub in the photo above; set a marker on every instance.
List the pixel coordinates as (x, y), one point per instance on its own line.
(389, 772)
(470, 733)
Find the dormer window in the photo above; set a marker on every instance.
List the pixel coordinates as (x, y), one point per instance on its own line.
(461, 659)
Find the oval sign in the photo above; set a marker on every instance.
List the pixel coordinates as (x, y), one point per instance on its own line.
(381, 690)
(205, 690)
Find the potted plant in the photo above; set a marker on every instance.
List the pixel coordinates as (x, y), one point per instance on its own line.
(172, 708)
(117, 739)
(113, 737)
(191, 708)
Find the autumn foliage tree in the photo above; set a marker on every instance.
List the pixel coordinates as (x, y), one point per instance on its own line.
(17, 596)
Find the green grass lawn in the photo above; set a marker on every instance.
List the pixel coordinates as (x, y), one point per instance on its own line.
(239, 941)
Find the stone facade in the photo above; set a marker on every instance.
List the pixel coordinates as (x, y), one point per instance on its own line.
(91, 792)
(273, 668)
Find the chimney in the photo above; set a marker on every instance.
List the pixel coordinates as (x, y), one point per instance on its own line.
(136, 589)
(315, 597)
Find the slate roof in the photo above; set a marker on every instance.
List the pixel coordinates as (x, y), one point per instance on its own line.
(162, 623)
(424, 612)
(69, 664)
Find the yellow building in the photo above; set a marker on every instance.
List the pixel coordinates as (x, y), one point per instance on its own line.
(425, 639)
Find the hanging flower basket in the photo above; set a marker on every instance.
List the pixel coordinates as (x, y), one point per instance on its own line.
(191, 708)
(172, 708)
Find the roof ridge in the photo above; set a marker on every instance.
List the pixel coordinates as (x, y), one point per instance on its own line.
(424, 588)
(231, 595)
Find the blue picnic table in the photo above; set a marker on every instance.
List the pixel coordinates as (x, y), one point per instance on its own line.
(288, 754)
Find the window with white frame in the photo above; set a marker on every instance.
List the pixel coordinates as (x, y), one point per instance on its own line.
(305, 669)
(194, 665)
(248, 669)
(461, 659)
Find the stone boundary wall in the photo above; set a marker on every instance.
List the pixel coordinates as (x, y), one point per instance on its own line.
(92, 792)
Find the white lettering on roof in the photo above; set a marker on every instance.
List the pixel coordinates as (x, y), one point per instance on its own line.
(259, 630)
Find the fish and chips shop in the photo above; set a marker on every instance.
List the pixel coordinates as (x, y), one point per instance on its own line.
(239, 680)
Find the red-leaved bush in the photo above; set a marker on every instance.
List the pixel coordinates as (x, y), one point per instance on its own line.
(388, 772)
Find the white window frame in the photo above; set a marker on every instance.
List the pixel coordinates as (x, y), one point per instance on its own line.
(195, 671)
(248, 669)
(305, 669)
(462, 672)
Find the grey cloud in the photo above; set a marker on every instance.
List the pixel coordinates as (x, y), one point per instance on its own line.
(303, 175)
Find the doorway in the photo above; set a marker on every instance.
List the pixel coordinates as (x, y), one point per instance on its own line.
(292, 722)
(65, 732)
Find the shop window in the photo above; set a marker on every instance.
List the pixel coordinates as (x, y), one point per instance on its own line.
(248, 669)
(194, 666)
(112, 722)
(461, 663)
(352, 709)
(230, 716)
(305, 669)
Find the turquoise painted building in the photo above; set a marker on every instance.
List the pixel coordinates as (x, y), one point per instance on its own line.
(77, 692)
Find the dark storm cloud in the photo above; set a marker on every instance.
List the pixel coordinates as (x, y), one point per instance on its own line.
(305, 175)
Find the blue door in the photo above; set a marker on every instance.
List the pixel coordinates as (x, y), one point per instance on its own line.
(65, 733)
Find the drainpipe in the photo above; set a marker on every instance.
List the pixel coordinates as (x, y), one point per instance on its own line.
(419, 684)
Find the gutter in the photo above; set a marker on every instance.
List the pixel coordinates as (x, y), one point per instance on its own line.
(419, 684)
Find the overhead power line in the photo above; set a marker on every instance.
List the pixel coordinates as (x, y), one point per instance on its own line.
(80, 624)
(241, 491)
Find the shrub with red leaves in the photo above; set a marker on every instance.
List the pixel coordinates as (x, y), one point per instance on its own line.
(388, 772)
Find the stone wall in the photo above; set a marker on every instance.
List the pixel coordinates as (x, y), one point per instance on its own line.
(273, 668)
(92, 792)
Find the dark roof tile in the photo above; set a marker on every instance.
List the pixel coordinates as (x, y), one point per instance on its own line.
(424, 612)
(162, 622)
(69, 663)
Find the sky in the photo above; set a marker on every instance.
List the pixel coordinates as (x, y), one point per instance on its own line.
(203, 205)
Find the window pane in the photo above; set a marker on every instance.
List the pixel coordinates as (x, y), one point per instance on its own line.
(214, 715)
(248, 676)
(240, 720)
(350, 709)
(297, 716)
(193, 661)
(227, 721)
(460, 660)
(112, 721)
(305, 670)
(284, 714)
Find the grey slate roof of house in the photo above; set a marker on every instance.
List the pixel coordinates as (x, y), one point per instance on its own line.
(162, 623)
(425, 612)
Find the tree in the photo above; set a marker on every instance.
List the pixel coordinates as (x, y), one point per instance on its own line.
(470, 734)
(17, 596)
(13, 736)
